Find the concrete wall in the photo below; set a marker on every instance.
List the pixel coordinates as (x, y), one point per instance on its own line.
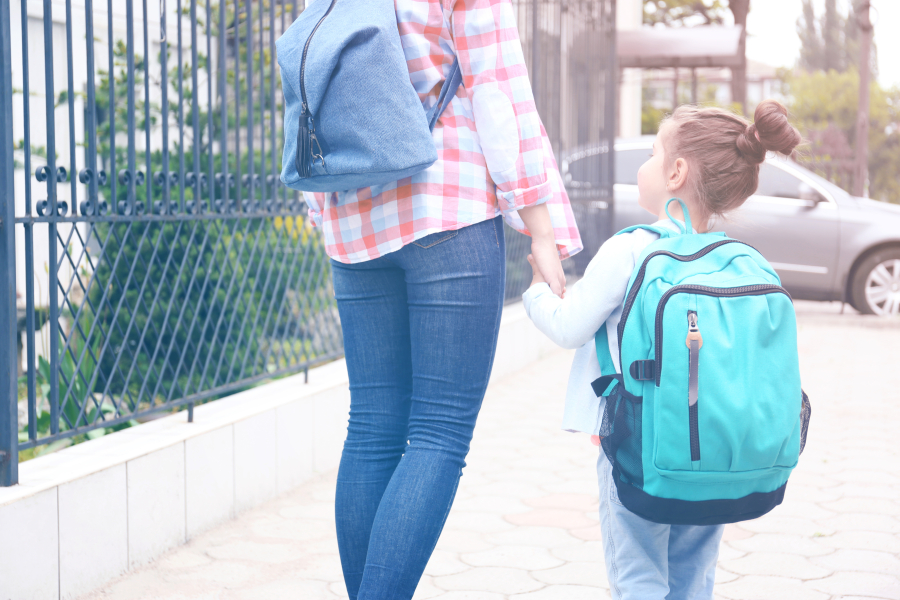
(86, 514)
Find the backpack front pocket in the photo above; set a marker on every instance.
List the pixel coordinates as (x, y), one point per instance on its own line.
(727, 379)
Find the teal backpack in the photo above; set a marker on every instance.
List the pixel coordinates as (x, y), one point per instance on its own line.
(707, 419)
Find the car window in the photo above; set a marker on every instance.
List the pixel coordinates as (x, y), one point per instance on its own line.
(779, 183)
(628, 162)
(585, 169)
(832, 189)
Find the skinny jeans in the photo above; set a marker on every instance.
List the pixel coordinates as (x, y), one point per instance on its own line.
(420, 329)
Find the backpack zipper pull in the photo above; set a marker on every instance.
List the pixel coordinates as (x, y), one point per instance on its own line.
(693, 330)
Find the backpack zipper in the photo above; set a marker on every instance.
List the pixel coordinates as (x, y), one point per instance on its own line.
(639, 279)
(694, 342)
(306, 134)
(704, 290)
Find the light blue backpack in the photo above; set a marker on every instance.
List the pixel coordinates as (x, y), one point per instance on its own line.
(352, 117)
(707, 419)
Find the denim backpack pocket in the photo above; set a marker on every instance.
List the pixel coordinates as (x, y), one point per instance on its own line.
(435, 238)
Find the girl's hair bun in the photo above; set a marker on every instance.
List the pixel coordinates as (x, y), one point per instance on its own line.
(771, 132)
(725, 150)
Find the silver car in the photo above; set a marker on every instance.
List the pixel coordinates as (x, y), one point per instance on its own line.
(824, 243)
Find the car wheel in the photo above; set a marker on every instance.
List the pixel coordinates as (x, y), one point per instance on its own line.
(876, 284)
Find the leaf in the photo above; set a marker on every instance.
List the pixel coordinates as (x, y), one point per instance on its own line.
(43, 423)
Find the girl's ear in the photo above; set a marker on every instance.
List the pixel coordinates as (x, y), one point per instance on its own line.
(677, 176)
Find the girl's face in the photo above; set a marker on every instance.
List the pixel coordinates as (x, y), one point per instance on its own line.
(651, 178)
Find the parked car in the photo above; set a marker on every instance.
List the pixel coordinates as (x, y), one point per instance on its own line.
(824, 243)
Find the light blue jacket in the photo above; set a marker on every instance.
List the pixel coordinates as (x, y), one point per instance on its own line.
(595, 299)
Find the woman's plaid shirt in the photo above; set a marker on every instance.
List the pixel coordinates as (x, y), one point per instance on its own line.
(494, 156)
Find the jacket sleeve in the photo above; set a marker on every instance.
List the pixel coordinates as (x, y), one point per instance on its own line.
(496, 80)
(573, 321)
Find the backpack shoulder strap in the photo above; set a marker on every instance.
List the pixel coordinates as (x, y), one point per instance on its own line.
(608, 375)
(448, 91)
(662, 232)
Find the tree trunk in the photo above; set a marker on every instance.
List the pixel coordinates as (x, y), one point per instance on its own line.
(740, 8)
(830, 37)
(862, 114)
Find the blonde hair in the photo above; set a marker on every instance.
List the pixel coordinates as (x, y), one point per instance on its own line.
(724, 150)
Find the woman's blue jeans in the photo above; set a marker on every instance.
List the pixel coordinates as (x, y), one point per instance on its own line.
(420, 329)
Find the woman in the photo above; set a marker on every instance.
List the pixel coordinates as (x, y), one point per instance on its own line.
(419, 269)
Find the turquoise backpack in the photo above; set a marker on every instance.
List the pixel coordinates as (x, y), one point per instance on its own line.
(707, 419)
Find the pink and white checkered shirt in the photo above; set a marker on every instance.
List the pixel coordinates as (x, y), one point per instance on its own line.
(494, 156)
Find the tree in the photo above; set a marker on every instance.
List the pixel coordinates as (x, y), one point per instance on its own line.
(830, 52)
(740, 9)
(676, 13)
(830, 42)
(810, 39)
(830, 35)
(823, 106)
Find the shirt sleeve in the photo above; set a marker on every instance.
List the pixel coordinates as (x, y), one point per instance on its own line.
(573, 321)
(314, 202)
(496, 80)
(517, 151)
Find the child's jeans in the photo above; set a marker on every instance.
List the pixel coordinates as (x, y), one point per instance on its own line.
(650, 561)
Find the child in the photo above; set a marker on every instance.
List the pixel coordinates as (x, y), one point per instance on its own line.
(709, 158)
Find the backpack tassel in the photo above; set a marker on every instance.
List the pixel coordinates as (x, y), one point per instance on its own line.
(304, 147)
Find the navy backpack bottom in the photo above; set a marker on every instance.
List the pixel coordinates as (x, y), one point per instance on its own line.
(671, 511)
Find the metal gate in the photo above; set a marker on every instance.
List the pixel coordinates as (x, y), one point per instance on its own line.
(570, 48)
(152, 258)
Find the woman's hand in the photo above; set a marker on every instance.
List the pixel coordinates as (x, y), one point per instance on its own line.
(536, 276)
(544, 258)
(546, 266)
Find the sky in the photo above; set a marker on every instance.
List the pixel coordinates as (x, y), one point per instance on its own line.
(772, 34)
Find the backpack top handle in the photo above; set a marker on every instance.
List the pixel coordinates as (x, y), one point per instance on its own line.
(687, 228)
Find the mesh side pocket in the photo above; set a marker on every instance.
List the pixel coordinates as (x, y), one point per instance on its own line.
(805, 412)
(622, 442)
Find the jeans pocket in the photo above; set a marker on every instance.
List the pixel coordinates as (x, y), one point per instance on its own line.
(435, 238)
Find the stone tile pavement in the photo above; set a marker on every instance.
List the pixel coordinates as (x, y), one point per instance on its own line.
(525, 523)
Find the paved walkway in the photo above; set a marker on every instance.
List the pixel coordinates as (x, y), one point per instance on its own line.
(525, 522)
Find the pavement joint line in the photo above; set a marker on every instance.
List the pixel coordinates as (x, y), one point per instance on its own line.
(832, 510)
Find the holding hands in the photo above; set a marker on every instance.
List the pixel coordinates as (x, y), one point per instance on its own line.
(544, 258)
(546, 267)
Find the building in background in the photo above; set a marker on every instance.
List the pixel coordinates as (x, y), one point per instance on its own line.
(664, 89)
(630, 17)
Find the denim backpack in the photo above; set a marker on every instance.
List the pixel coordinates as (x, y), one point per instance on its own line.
(352, 118)
(707, 419)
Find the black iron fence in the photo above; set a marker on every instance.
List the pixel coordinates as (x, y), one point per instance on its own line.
(151, 256)
(570, 48)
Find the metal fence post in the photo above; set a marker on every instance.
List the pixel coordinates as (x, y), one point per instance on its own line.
(611, 120)
(9, 416)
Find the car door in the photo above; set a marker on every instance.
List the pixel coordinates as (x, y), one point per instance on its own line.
(795, 224)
